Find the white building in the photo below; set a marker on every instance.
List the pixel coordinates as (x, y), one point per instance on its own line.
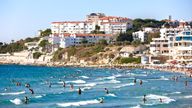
(31, 45)
(140, 35)
(182, 47)
(108, 24)
(66, 39)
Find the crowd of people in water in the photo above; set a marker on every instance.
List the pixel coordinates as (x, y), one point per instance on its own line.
(106, 90)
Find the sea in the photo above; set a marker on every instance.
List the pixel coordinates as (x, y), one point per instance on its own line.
(47, 84)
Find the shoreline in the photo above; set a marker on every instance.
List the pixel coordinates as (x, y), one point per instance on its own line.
(165, 68)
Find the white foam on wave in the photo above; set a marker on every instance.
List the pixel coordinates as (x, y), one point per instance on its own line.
(187, 97)
(89, 84)
(80, 103)
(156, 98)
(76, 81)
(111, 94)
(16, 101)
(39, 96)
(134, 74)
(109, 77)
(124, 85)
(114, 81)
(137, 106)
(13, 93)
(85, 77)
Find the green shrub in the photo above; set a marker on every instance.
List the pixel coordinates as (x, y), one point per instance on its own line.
(129, 60)
(36, 55)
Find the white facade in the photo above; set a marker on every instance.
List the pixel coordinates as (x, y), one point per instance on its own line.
(108, 24)
(31, 45)
(66, 39)
(140, 35)
(182, 47)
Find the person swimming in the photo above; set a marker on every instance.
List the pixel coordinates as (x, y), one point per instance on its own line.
(27, 85)
(26, 100)
(144, 98)
(71, 86)
(135, 81)
(101, 100)
(141, 82)
(186, 83)
(160, 100)
(18, 84)
(79, 91)
(31, 90)
(106, 91)
(64, 84)
(50, 85)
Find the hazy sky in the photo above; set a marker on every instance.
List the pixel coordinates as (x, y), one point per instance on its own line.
(23, 18)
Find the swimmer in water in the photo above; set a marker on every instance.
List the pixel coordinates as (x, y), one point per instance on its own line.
(27, 85)
(106, 91)
(79, 91)
(144, 98)
(31, 90)
(26, 100)
(160, 100)
(18, 84)
(186, 83)
(141, 82)
(49, 85)
(64, 84)
(135, 81)
(101, 100)
(71, 86)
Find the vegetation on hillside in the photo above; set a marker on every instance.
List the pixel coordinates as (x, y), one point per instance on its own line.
(125, 60)
(12, 47)
(138, 24)
(97, 30)
(36, 55)
(46, 32)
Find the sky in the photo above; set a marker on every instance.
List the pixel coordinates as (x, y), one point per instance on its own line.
(23, 18)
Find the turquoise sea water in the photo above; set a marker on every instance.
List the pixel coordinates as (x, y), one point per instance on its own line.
(123, 93)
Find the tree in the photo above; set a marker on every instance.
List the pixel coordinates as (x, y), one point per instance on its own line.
(1, 43)
(125, 36)
(97, 30)
(46, 32)
(36, 55)
(43, 43)
(136, 42)
(152, 35)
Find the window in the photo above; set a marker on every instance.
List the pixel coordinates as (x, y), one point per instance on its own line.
(165, 45)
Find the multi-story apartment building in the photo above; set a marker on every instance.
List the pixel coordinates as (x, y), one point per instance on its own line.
(159, 46)
(66, 39)
(175, 43)
(140, 35)
(108, 24)
(182, 46)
